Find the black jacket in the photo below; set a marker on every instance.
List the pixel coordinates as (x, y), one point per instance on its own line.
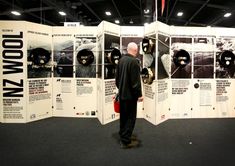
(128, 78)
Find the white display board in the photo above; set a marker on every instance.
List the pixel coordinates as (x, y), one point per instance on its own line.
(181, 74)
(163, 61)
(39, 71)
(13, 71)
(76, 83)
(149, 63)
(63, 71)
(108, 39)
(203, 88)
(85, 100)
(42, 75)
(224, 73)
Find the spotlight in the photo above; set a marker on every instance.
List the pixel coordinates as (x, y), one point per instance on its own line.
(62, 13)
(227, 14)
(15, 13)
(179, 14)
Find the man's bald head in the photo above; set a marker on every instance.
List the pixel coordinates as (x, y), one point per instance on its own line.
(132, 48)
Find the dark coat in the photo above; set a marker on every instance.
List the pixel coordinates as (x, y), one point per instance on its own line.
(128, 78)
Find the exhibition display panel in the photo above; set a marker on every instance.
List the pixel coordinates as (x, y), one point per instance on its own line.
(186, 72)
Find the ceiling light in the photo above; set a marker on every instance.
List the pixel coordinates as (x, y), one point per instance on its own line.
(108, 13)
(62, 13)
(227, 14)
(117, 21)
(131, 22)
(74, 7)
(15, 13)
(179, 14)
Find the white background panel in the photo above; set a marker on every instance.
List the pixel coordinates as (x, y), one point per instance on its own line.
(108, 110)
(39, 103)
(181, 98)
(225, 97)
(203, 101)
(163, 101)
(64, 95)
(86, 97)
(13, 108)
(149, 112)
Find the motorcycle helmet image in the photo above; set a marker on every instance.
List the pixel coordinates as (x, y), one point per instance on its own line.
(181, 58)
(148, 45)
(226, 59)
(39, 56)
(147, 75)
(85, 57)
(114, 56)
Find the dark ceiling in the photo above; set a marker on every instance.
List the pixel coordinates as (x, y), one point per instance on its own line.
(128, 12)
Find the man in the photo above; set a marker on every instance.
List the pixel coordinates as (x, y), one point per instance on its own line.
(65, 66)
(129, 85)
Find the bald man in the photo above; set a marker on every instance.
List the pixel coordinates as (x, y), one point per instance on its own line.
(129, 85)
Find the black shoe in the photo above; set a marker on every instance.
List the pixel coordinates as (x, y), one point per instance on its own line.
(133, 144)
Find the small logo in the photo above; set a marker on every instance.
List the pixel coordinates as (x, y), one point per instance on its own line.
(33, 116)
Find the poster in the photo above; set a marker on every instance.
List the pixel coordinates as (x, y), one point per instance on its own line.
(39, 82)
(85, 57)
(149, 77)
(203, 87)
(63, 51)
(108, 47)
(181, 74)
(63, 71)
(13, 73)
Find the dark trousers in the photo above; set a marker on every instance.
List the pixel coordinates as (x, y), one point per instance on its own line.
(128, 109)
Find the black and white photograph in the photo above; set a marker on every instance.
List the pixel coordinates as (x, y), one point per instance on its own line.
(225, 49)
(85, 57)
(163, 56)
(203, 65)
(149, 55)
(63, 59)
(39, 60)
(111, 55)
(181, 57)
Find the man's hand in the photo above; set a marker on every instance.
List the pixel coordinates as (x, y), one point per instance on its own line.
(140, 99)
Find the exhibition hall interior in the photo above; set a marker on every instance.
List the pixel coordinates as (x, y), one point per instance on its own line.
(58, 68)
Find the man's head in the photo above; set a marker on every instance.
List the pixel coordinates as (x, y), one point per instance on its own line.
(132, 49)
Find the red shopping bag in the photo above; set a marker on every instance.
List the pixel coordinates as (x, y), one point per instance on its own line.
(116, 103)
